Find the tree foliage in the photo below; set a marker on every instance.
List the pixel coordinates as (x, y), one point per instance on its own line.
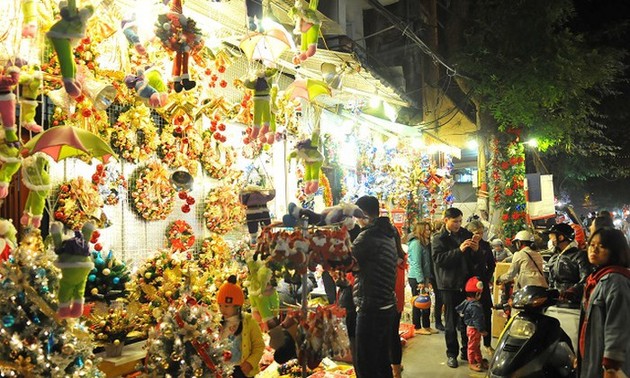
(526, 68)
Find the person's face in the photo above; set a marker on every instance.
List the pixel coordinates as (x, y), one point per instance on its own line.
(497, 247)
(426, 232)
(479, 232)
(453, 224)
(553, 239)
(228, 310)
(363, 222)
(597, 254)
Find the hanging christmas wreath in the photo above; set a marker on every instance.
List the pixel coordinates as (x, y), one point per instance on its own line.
(110, 182)
(223, 211)
(78, 201)
(152, 195)
(134, 137)
(181, 144)
(180, 235)
(217, 158)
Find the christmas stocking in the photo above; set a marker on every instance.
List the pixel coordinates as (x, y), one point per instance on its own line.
(62, 34)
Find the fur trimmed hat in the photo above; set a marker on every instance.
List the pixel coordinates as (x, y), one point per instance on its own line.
(474, 285)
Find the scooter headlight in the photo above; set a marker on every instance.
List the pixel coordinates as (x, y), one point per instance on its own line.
(522, 329)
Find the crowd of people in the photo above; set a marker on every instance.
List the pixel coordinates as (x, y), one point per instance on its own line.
(455, 263)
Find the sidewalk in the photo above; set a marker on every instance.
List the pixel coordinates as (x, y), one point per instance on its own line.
(425, 356)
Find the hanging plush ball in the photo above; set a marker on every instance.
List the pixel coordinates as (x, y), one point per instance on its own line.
(8, 321)
(422, 302)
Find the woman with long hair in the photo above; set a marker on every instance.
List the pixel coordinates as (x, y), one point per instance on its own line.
(420, 273)
(604, 333)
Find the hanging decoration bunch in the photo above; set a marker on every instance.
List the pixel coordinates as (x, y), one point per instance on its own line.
(181, 144)
(323, 333)
(85, 114)
(180, 236)
(186, 343)
(151, 192)
(111, 184)
(327, 190)
(78, 201)
(507, 172)
(217, 158)
(134, 137)
(223, 211)
(167, 276)
(435, 181)
(33, 341)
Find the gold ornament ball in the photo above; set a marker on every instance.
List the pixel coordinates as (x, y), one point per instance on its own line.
(106, 272)
(198, 372)
(67, 349)
(148, 275)
(168, 293)
(88, 364)
(94, 291)
(116, 342)
(165, 365)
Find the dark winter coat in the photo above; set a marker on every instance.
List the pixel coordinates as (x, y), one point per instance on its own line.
(452, 267)
(568, 271)
(472, 313)
(377, 257)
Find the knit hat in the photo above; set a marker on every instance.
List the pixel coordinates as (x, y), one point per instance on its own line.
(473, 285)
(230, 293)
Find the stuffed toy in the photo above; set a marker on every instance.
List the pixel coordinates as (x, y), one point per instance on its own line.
(75, 263)
(344, 213)
(262, 87)
(307, 24)
(30, 89)
(262, 294)
(29, 20)
(149, 86)
(130, 30)
(10, 162)
(255, 199)
(63, 34)
(36, 178)
(180, 35)
(8, 238)
(8, 81)
(312, 159)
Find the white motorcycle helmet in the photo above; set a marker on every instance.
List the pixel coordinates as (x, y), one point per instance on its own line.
(524, 235)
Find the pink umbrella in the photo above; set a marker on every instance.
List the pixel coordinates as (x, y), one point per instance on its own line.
(308, 89)
(61, 142)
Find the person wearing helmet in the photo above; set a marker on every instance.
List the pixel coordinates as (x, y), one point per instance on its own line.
(568, 267)
(527, 263)
(499, 251)
(472, 312)
(241, 328)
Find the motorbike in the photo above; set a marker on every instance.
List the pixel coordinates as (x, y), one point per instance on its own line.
(533, 344)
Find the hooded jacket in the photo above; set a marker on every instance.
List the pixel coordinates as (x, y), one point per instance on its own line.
(377, 257)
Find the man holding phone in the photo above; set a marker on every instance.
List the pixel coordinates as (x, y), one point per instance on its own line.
(451, 250)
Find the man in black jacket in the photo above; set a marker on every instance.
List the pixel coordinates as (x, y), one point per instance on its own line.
(451, 250)
(376, 255)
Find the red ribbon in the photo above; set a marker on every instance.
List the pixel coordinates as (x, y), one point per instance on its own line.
(201, 349)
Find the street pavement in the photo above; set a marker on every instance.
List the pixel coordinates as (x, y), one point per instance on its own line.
(425, 356)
